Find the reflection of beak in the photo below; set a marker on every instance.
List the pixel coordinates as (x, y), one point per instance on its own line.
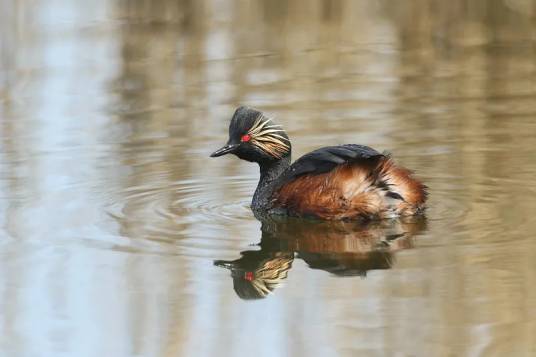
(224, 150)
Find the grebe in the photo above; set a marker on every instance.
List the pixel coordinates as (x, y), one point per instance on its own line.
(333, 183)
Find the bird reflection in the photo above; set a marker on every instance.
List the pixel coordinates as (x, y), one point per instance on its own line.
(340, 248)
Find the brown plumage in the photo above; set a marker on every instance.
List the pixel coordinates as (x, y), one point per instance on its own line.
(368, 189)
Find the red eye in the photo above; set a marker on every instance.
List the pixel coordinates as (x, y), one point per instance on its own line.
(249, 276)
(245, 138)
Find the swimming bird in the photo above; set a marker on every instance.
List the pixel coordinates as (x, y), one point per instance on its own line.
(343, 182)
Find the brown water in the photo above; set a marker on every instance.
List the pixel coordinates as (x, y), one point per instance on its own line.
(112, 214)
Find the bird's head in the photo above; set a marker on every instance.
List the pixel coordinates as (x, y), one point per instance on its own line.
(255, 137)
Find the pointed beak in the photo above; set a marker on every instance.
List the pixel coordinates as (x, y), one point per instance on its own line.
(224, 264)
(224, 150)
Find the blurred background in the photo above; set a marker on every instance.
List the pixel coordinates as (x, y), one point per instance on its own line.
(111, 212)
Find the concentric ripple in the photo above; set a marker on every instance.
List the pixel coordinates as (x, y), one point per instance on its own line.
(193, 214)
(190, 200)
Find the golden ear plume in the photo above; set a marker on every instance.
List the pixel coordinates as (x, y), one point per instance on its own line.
(266, 136)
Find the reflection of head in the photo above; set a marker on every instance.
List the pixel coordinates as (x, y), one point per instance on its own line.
(256, 274)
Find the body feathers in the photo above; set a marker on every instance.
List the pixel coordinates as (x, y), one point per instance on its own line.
(365, 184)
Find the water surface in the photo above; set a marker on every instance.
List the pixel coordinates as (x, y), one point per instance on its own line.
(120, 237)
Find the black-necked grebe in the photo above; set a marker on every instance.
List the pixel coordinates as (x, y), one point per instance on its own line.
(335, 182)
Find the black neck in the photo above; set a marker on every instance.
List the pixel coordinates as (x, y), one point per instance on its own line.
(270, 172)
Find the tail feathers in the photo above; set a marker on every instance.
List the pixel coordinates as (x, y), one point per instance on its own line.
(411, 194)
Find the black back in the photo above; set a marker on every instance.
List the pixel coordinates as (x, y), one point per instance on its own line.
(327, 158)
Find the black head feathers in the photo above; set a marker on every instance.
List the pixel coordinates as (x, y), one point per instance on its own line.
(255, 137)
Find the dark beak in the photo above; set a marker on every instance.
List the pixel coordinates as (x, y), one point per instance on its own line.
(224, 264)
(224, 150)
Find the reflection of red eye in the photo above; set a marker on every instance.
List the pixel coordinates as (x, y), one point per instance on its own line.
(245, 138)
